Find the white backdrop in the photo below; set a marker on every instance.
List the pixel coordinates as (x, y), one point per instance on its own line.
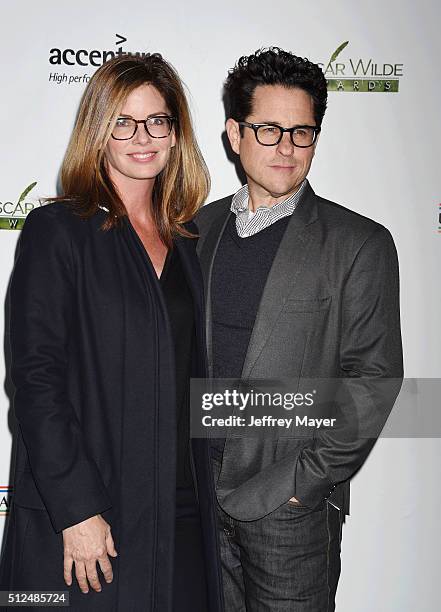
(378, 154)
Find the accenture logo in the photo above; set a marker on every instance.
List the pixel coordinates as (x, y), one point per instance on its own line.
(356, 74)
(84, 58)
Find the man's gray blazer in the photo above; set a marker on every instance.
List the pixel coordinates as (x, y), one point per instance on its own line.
(329, 309)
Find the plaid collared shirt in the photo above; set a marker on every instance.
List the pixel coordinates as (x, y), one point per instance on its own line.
(249, 222)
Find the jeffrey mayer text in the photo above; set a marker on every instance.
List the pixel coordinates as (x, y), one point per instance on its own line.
(266, 421)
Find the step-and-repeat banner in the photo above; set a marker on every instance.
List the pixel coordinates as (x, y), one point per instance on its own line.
(379, 154)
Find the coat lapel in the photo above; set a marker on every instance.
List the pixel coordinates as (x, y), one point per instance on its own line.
(288, 262)
(192, 271)
(207, 253)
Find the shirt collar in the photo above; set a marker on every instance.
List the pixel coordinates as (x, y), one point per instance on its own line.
(239, 203)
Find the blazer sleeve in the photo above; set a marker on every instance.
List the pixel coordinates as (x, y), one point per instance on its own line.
(42, 304)
(371, 365)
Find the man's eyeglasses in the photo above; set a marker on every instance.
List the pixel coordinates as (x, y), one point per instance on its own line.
(270, 134)
(157, 126)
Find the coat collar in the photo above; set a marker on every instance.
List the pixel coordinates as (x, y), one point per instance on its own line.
(289, 260)
(187, 251)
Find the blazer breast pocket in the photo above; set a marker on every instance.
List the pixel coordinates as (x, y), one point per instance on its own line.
(307, 305)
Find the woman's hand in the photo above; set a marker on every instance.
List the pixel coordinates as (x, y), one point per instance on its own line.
(84, 544)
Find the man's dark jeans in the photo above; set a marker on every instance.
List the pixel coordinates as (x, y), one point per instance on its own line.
(286, 561)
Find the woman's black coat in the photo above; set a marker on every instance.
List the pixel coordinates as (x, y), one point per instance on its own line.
(93, 367)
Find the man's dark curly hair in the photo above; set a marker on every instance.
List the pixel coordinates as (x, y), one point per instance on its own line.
(272, 66)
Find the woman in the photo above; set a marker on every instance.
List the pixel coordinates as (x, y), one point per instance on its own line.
(107, 326)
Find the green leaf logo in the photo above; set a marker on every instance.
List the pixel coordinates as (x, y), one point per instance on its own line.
(336, 53)
(26, 191)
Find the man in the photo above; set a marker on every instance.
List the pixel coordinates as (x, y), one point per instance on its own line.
(296, 286)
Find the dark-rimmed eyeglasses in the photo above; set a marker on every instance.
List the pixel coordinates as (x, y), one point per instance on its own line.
(156, 126)
(270, 134)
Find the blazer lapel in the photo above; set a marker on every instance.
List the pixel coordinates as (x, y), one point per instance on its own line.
(207, 253)
(288, 262)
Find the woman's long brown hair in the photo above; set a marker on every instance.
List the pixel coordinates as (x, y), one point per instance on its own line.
(182, 185)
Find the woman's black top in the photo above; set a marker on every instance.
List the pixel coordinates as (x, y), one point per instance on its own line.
(179, 302)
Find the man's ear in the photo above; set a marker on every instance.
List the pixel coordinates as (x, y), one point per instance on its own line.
(315, 144)
(233, 132)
